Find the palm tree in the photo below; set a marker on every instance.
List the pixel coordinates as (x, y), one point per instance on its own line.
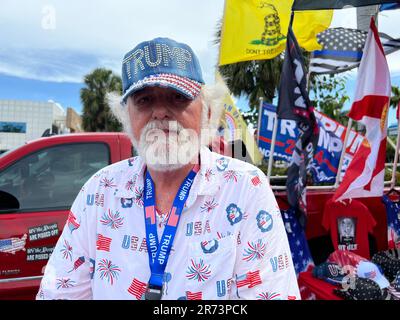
(96, 112)
(252, 79)
(395, 99)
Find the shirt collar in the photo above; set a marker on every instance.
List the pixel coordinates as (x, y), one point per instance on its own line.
(207, 181)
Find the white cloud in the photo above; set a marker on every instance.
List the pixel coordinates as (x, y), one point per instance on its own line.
(63, 40)
(101, 29)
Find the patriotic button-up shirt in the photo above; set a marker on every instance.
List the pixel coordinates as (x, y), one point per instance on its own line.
(230, 242)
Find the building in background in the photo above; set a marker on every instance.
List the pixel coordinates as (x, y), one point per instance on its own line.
(392, 130)
(24, 120)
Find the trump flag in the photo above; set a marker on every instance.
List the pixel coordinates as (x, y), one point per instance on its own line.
(365, 174)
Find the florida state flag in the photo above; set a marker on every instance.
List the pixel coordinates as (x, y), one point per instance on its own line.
(365, 175)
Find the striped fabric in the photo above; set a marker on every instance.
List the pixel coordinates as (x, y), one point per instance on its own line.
(342, 50)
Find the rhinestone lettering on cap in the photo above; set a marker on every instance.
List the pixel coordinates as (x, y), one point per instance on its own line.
(147, 56)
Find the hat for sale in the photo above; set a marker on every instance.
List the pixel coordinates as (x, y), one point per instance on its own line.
(162, 62)
(369, 270)
(329, 272)
(389, 265)
(361, 289)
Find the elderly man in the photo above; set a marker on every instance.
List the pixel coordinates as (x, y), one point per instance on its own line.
(178, 221)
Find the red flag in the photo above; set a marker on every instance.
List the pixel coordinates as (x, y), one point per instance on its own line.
(103, 243)
(137, 288)
(194, 295)
(365, 174)
(250, 279)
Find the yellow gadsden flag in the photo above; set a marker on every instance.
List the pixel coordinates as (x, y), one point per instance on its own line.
(235, 128)
(256, 29)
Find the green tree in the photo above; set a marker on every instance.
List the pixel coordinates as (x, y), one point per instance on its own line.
(329, 92)
(395, 99)
(97, 115)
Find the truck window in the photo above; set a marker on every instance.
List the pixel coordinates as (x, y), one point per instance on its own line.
(52, 177)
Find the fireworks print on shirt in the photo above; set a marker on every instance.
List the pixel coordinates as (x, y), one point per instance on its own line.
(107, 183)
(66, 250)
(209, 206)
(198, 271)
(231, 175)
(268, 296)
(139, 196)
(108, 271)
(112, 220)
(131, 183)
(234, 213)
(103, 243)
(255, 251)
(65, 283)
(209, 173)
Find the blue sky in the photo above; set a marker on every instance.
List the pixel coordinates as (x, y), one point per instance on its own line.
(65, 93)
(49, 46)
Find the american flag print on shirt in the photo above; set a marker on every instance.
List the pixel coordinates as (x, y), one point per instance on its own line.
(103, 243)
(218, 245)
(194, 295)
(250, 279)
(137, 288)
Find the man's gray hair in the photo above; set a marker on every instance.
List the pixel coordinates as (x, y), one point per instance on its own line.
(212, 101)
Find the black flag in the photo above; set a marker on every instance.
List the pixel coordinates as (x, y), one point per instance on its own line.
(294, 104)
(335, 4)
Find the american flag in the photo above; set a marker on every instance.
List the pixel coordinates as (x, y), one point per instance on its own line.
(137, 288)
(194, 295)
(301, 255)
(393, 221)
(78, 263)
(13, 245)
(250, 279)
(103, 243)
(342, 50)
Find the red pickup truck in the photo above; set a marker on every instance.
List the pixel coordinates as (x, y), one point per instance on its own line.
(38, 183)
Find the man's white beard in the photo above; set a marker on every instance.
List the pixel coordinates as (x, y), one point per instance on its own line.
(162, 152)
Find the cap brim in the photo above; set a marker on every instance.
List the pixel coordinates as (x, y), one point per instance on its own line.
(188, 87)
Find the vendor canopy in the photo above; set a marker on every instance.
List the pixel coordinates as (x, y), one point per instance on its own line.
(335, 4)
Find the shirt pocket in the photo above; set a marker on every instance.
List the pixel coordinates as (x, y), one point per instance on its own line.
(210, 266)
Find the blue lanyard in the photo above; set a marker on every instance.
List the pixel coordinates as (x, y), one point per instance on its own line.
(158, 254)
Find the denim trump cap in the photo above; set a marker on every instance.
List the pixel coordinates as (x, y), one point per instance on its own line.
(161, 62)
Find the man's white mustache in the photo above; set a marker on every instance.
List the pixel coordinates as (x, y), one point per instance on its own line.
(171, 126)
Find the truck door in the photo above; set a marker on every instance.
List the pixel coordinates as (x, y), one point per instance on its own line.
(45, 183)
